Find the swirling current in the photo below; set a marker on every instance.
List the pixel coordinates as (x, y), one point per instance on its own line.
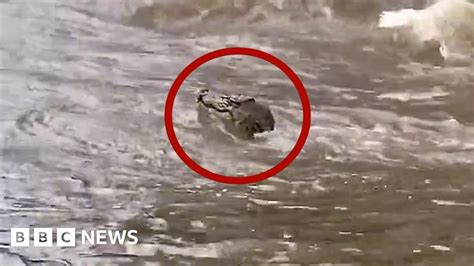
(385, 178)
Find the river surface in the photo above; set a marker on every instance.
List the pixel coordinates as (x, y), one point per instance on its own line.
(385, 178)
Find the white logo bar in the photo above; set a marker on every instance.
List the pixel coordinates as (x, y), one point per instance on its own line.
(66, 237)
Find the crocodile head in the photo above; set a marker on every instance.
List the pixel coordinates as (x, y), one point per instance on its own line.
(253, 117)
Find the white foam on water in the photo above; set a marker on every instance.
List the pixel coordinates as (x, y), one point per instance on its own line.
(409, 96)
(400, 18)
(440, 247)
(449, 203)
(451, 22)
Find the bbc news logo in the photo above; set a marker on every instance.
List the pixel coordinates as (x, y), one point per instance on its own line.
(66, 237)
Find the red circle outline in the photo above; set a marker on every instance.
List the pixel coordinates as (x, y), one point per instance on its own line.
(305, 127)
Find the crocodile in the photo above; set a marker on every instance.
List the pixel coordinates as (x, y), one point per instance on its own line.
(247, 115)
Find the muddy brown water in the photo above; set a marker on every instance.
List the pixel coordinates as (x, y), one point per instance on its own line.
(385, 177)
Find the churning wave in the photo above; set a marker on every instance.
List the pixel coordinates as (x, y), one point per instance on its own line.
(450, 23)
